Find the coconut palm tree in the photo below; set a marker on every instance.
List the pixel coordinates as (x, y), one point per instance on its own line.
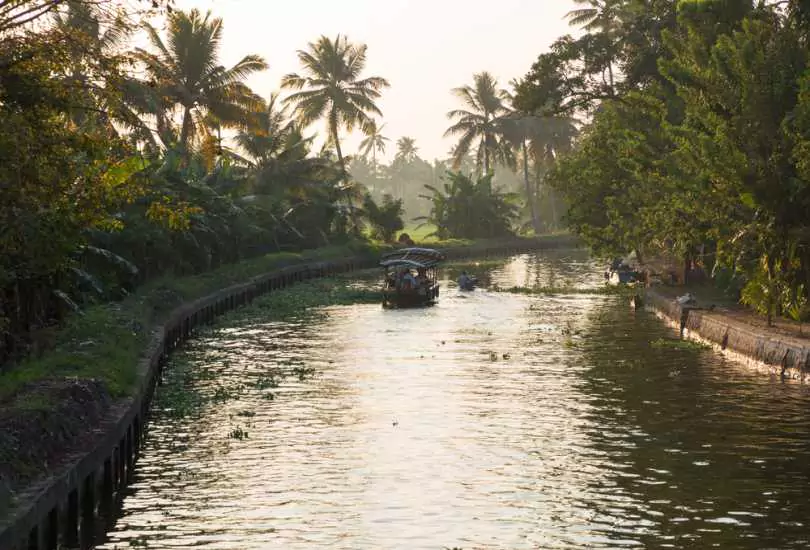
(406, 149)
(277, 155)
(185, 70)
(540, 139)
(600, 17)
(95, 36)
(86, 18)
(485, 104)
(373, 142)
(331, 88)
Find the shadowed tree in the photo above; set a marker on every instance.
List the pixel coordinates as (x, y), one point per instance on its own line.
(479, 123)
(538, 139)
(331, 88)
(185, 70)
(92, 36)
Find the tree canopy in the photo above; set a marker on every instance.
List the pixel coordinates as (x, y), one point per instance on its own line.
(697, 149)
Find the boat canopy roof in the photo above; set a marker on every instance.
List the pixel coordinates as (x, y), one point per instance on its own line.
(398, 262)
(412, 257)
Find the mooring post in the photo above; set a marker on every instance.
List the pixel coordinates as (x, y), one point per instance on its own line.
(52, 529)
(107, 486)
(71, 537)
(120, 472)
(137, 435)
(88, 511)
(33, 538)
(684, 316)
(129, 454)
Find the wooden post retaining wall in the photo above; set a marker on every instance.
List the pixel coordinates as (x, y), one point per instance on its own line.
(69, 509)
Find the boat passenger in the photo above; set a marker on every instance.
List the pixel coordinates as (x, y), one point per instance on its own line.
(464, 281)
(421, 277)
(408, 281)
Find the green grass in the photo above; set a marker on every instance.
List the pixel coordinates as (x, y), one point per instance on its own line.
(420, 234)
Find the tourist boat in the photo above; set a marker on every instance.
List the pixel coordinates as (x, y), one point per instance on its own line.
(401, 268)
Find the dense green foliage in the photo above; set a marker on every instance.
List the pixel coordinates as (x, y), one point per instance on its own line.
(117, 172)
(385, 219)
(697, 143)
(470, 209)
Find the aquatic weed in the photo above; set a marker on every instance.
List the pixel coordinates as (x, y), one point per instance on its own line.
(606, 290)
(671, 343)
(303, 372)
(238, 433)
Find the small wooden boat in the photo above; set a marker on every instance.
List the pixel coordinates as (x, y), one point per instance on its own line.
(411, 277)
(467, 283)
(620, 273)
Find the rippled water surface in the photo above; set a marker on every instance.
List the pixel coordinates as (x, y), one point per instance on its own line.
(493, 420)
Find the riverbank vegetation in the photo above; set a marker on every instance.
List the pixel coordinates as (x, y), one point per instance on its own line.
(696, 139)
(117, 174)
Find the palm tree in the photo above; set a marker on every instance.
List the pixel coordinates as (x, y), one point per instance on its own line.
(480, 123)
(331, 88)
(187, 73)
(406, 149)
(86, 19)
(95, 35)
(373, 142)
(277, 155)
(601, 17)
(539, 138)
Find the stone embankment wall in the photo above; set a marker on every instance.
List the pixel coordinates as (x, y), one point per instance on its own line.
(775, 353)
(70, 508)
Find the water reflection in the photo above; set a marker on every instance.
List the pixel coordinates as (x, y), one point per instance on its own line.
(489, 421)
(717, 454)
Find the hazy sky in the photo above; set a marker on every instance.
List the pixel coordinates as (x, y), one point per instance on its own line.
(423, 47)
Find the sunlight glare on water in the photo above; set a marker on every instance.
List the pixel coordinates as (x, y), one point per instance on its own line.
(493, 420)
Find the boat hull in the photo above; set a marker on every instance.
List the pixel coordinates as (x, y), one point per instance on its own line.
(400, 299)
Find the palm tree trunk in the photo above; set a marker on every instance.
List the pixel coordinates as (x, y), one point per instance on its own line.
(486, 160)
(529, 192)
(185, 132)
(553, 202)
(343, 174)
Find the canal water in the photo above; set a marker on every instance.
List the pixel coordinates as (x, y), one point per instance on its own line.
(503, 420)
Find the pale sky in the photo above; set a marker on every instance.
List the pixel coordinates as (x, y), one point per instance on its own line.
(424, 48)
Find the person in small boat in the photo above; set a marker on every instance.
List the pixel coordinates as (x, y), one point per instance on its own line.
(464, 281)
